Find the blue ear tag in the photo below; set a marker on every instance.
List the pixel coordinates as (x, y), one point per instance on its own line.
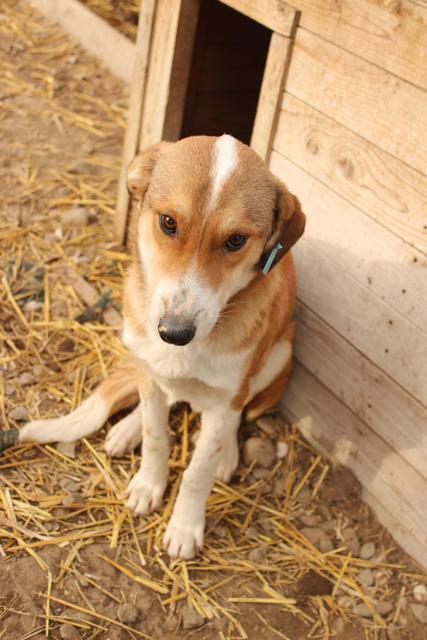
(267, 265)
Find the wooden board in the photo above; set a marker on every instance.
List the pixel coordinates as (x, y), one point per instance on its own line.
(392, 35)
(136, 102)
(373, 327)
(113, 50)
(389, 267)
(277, 16)
(388, 190)
(272, 86)
(335, 430)
(372, 395)
(375, 104)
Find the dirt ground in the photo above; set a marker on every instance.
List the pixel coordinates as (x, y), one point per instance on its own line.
(291, 550)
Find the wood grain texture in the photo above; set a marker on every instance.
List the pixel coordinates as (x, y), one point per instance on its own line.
(136, 101)
(277, 16)
(335, 430)
(388, 190)
(268, 107)
(371, 394)
(376, 258)
(373, 327)
(375, 104)
(392, 35)
(111, 48)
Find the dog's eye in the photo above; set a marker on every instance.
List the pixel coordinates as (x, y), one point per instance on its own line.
(235, 242)
(167, 224)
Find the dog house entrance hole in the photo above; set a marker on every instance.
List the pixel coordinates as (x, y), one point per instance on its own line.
(227, 68)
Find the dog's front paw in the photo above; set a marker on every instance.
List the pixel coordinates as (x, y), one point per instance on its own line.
(184, 537)
(144, 494)
(229, 459)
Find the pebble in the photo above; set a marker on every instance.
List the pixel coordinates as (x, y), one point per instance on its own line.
(367, 551)
(260, 451)
(75, 217)
(33, 305)
(282, 449)
(67, 449)
(304, 497)
(420, 593)
(383, 608)
(38, 370)
(345, 601)
(420, 612)
(328, 526)
(25, 379)
(313, 534)
(325, 544)
(191, 619)
(9, 389)
(267, 424)
(366, 577)
(393, 633)
(127, 613)
(19, 414)
(259, 473)
(68, 632)
(338, 625)
(70, 485)
(71, 499)
(309, 520)
(351, 540)
(257, 555)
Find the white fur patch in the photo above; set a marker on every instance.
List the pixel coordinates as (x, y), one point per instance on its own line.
(225, 160)
(276, 361)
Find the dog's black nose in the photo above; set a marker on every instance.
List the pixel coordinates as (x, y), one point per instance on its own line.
(175, 332)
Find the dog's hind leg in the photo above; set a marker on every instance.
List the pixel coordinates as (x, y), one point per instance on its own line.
(125, 435)
(118, 391)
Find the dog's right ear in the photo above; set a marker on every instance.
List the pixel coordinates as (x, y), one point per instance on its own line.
(140, 170)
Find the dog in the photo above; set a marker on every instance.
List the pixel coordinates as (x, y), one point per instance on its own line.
(208, 318)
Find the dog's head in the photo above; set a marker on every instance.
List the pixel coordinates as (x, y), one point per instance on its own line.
(211, 216)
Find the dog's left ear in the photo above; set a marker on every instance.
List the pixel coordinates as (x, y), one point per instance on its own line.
(288, 226)
(141, 168)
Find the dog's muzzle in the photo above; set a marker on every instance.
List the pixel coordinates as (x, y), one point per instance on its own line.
(176, 331)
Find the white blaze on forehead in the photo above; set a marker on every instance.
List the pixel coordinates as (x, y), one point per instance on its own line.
(224, 163)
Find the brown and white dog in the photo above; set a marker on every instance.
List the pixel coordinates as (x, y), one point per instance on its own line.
(208, 307)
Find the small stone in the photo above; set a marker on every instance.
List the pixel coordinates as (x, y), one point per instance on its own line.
(68, 632)
(75, 217)
(309, 520)
(338, 625)
(70, 485)
(420, 593)
(257, 555)
(71, 499)
(19, 414)
(191, 619)
(267, 424)
(367, 551)
(362, 611)
(325, 544)
(328, 526)
(260, 451)
(25, 379)
(32, 305)
(420, 612)
(259, 473)
(67, 449)
(313, 534)
(220, 531)
(38, 370)
(384, 607)
(403, 603)
(127, 613)
(282, 449)
(366, 577)
(351, 541)
(393, 633)
(9, 389)
(304, 497)
(345, 601)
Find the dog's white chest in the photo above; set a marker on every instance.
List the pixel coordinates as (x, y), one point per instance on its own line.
(186, 371)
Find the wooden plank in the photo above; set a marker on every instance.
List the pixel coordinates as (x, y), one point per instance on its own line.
(375, 257)
(373, 327)
(385, 188)
(136, 101)
(168, 30)
(331, 427)
(378, 106)
(271, 92)
(112, 49)
(392, 35)
(372, 395)
(277, 16)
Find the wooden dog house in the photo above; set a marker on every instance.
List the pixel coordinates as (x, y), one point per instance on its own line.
(333, 96)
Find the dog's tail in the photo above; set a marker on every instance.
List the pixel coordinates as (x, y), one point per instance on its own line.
(118, 391)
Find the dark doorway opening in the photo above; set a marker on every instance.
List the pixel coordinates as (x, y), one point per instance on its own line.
(227, 68)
